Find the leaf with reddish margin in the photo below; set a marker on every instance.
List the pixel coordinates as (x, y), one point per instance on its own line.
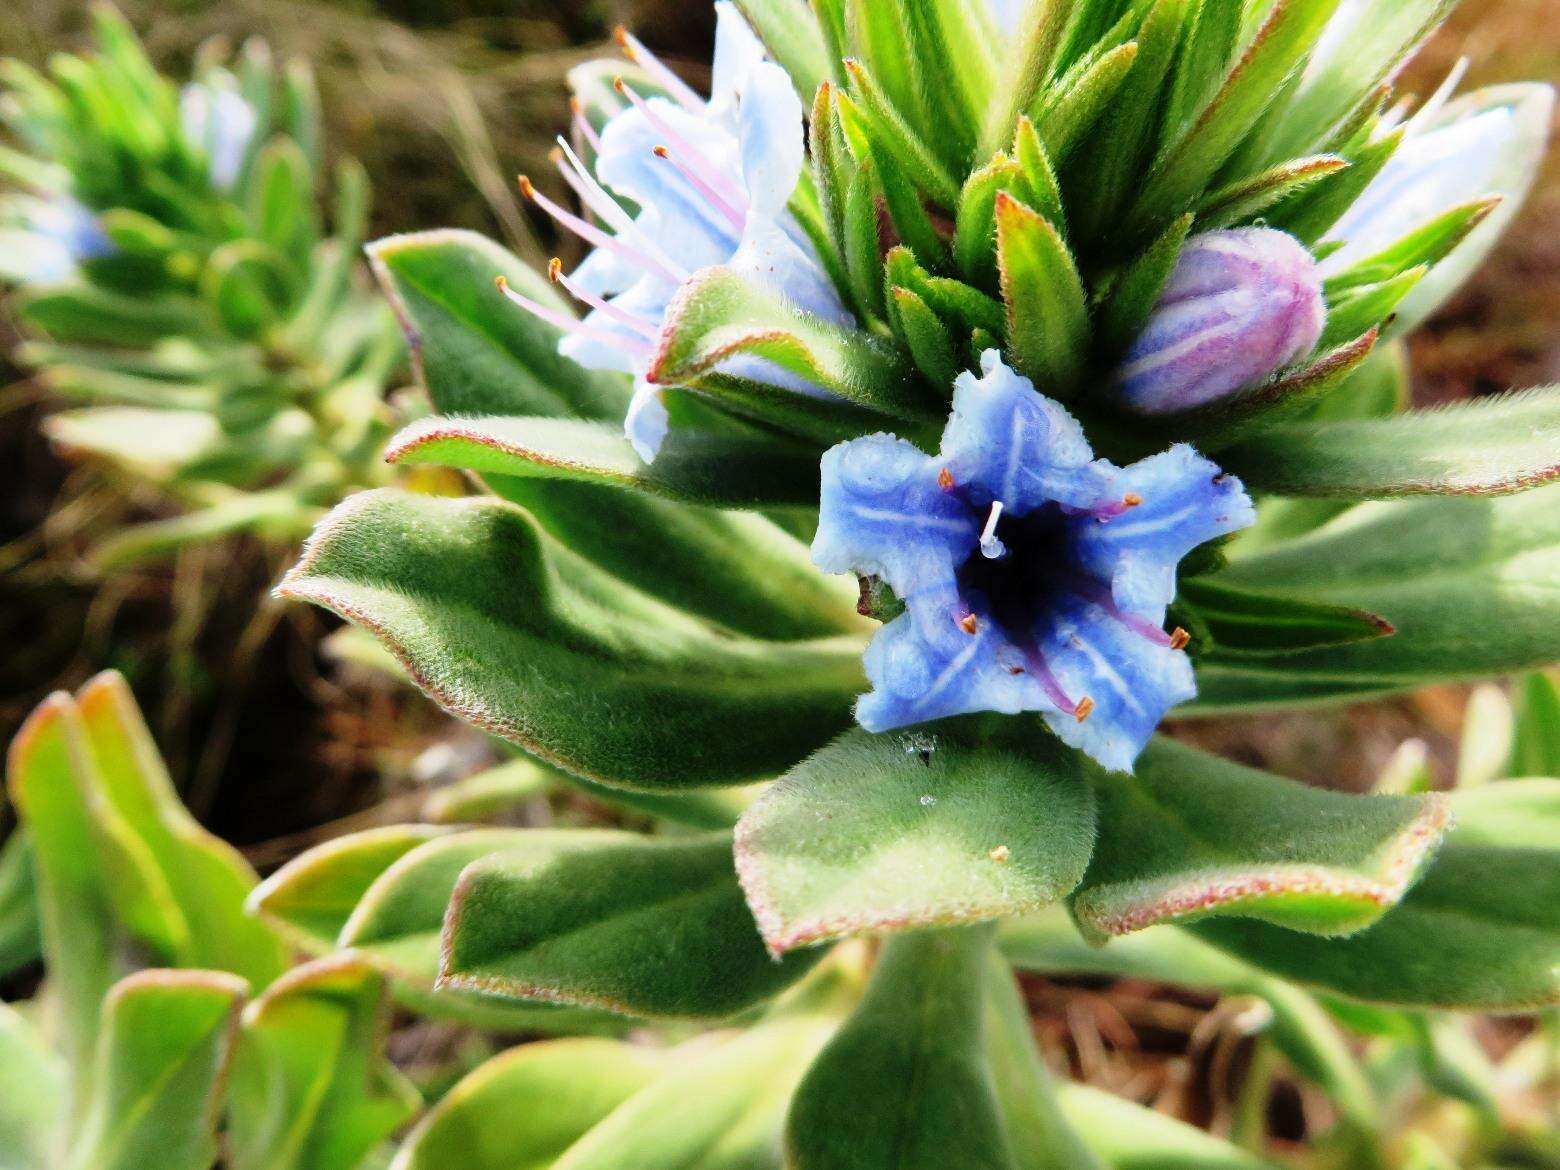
(920, 829)
(1191, 836)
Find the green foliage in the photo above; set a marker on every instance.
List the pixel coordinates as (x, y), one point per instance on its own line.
(196, 254)
(633, 925)
(927, 829)
(559, 679)
(1188, 836)
(149, 959)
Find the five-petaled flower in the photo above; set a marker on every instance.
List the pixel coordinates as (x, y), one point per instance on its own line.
(1035, 577)
(711, 181)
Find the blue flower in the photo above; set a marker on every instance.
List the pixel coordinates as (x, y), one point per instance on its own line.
(1035, 577)
(218, 122)
(50, 238)
(711, 181)
(1486, 143)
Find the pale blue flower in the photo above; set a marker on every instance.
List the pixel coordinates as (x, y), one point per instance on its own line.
(1239, 306)
(711, 181)
(1488, 143)
(1035, 577)
(47, 240)
(218, 122)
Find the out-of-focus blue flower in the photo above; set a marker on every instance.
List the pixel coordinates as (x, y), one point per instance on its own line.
(1239, 306)
(711, 180)
(1035, 577)
(47, 240)
(1488, 143)
(218, 121)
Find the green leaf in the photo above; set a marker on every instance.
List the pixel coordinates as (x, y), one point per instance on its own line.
(1245, 199)
(1465, 581)
(914, 156)
(1284, 39)
(1189, 836)
(793, 39)
(904, 1082)
(1479, 932)
(641, 926)
(1070, 112)
(725, 471)
(477, 353)
(32, 1094)
(99, 892)
(488, 1122)
(924, 830)
(721, 1105)
(492, 792)
(1047, 313)
(521, 637)
(311, 1087)
(1039, 1137)
(86, 313)
(1488, 446)
(384, 891)
(718, 314)
(1127, 1136)
(20, 944)
(974, 235)
(205, 875)
(166, 1045)
(1536, 751)
(1242, 621)
(927, 337)
(1367, 49)
(1132, 298)
(312, 896)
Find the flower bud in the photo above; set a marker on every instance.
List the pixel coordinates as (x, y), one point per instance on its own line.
(1239, 306)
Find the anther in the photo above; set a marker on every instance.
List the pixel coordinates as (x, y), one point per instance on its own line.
(1132, 499)
(969, 623)
(945, 480)
(1000, 853)
(1179, 639)
(1084, 709)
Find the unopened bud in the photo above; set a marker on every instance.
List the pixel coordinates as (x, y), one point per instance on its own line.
(1240, 306)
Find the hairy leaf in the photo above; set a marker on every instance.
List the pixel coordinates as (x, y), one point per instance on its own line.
(923, 829)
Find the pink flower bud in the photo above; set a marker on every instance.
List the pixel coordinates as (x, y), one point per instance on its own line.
(1239, 306)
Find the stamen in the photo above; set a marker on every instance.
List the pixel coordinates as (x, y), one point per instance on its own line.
(968, 622)
(990, 547)
(1053, 689)
(621, 316)
(567, 323)
(587, 231)
(734, 217)
(635, 51)
(695, 158)
(945, 480)
(596, 197)
(1100, 595)
(582, 124)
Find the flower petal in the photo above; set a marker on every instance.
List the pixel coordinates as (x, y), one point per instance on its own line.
(1005, 441)
(1186, 501)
